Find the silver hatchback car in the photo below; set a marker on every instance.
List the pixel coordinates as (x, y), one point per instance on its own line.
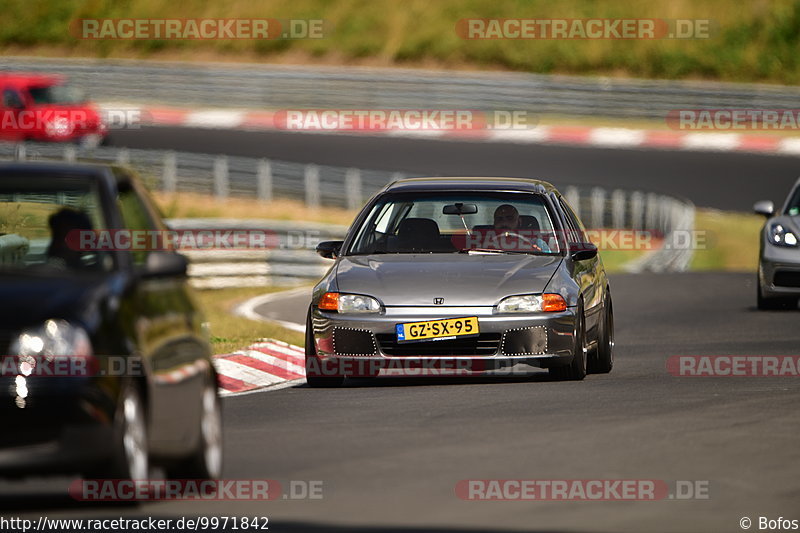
(461, 274)
(779, 256)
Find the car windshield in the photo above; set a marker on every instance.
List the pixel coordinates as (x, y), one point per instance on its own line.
(480, 222)
(41, 220)
(57, 94)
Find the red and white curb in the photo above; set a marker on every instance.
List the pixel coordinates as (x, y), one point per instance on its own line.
(570, 135)
(268, 364)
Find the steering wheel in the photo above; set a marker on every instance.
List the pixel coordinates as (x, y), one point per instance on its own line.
(520, 237)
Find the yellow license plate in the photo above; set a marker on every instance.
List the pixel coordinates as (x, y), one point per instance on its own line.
(432, 330)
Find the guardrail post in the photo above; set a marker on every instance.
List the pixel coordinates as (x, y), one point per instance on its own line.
(637, 210)
(169, 178)
(123, 157)
(618, 209)
(352, 187)
(70, 154)
(573, 199)
(264, 180)
(598, 202)
(651, 212)
(221, 185)
(311, 179)
(19, 152)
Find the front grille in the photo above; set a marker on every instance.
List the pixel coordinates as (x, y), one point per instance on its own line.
(349, 341)
(787, 278)
(483, 344)
(531, 340)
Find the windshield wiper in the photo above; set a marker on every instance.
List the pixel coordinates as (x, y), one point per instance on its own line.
(501, 251)
(490, 251)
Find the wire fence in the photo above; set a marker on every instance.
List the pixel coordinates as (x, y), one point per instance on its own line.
(257, 86)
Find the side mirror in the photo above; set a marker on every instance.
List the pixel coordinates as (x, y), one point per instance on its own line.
(329, 249)
(581, 251)
(161, 264)
(764, 207)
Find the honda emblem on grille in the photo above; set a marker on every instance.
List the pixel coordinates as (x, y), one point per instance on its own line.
(438, 301)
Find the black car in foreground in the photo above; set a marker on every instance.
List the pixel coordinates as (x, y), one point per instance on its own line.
(105, 368)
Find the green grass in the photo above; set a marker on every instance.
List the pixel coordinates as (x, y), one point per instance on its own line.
(230, 332)
(732, 241)
(751, 41)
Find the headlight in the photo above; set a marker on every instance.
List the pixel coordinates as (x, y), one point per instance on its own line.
(54, 338)
(532, 303)
(780, 236)
(349, 303)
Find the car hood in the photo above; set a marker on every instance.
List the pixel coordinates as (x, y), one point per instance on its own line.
(30, 299)
(461, 279)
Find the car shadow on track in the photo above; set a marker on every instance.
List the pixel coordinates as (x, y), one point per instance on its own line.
(425, 381)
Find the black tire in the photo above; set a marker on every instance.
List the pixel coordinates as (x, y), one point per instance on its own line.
(205, 462)
(773, 304)
(315, 367)
(603, 358)
(129, 458)
(576, 370)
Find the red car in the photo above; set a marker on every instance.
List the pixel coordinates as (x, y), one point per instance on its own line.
(40, 107)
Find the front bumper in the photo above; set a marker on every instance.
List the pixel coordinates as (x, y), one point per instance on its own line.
(779, 271)
(62, 428)
(363, 343)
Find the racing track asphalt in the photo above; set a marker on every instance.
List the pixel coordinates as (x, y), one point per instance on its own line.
(390, 451)
(723, 180)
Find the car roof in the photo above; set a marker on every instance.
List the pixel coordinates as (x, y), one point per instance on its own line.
(21, 79)
(98, 171)
(430, 184)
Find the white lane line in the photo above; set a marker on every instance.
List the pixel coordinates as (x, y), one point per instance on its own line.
(789, 146)
(530, 135)
(711, 141)
(247, 309)
(214, 119)
(616, 137)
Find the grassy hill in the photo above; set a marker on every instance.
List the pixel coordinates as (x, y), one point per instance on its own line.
(756, 40)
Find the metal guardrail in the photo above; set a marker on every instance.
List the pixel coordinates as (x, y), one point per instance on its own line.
(257, 86)
(264, 179)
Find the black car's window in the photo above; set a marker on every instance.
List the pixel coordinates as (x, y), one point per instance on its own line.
(427, 223)
(50, 222)
(135, 217)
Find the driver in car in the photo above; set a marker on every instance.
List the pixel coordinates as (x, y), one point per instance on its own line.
(60, 253)
(507, 224)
